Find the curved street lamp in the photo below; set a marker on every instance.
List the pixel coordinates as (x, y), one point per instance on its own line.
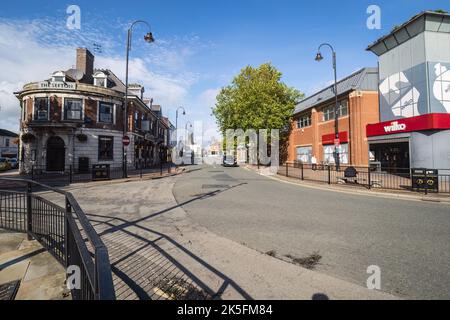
(319, 58)
(149, 39)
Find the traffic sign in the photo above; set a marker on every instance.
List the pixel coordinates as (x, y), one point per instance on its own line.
(126, 141)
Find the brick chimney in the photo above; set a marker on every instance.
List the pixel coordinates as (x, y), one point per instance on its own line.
(85, 63)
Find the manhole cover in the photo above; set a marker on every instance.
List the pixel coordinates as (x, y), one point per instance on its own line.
(9, 290)
(215, 186)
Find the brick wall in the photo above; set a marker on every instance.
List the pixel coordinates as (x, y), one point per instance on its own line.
(363, 109)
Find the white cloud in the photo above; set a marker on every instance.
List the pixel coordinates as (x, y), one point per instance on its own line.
(207, 98)
(30, 50)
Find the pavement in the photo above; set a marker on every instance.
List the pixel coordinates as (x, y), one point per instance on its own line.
(158, 252)
(41, 276)
(354, 189)
(349, 231)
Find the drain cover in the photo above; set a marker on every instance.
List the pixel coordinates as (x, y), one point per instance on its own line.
(9, 290)
(215, 186)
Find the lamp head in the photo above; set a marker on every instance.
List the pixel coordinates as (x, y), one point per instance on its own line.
(149, 38)
(319, 57)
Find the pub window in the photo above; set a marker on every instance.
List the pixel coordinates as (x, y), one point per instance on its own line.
(105, 112)
(105, 148)
(73, 109)
(6, 142)
(41, 108)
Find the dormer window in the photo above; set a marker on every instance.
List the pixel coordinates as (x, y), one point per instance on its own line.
(59, 76)
(100, 79)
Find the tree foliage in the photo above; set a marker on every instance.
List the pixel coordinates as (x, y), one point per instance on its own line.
(256, 99)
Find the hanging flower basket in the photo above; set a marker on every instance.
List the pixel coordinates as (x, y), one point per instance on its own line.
(82, 137)
(28, 137)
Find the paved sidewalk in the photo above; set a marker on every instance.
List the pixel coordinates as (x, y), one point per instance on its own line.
(398, 194)
(41, 276)
(158, 252)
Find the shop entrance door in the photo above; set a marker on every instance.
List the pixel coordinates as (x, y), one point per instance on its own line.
(393, 157)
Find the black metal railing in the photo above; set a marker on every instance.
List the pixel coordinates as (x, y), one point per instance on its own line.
(62, 229)
(71, 174)
(369, 177)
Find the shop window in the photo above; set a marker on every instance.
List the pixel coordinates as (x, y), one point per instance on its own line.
(328, 153)
(303, 122)
(41, 108)
(73, 109)
(105, 148)
(304, 154)
(105, 112)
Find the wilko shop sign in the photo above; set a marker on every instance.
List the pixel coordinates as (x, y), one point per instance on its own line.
(394, 127)
(432, 121)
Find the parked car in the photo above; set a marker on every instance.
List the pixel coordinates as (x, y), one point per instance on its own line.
(4, 164)
(14, 163)
(229, 161)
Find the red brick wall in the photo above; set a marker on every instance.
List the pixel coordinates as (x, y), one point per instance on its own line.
(363, 109)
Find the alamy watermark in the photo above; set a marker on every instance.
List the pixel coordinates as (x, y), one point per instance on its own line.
(255, 147)
(73, 21)
(374, 19)
(374, 280)
(73, 281)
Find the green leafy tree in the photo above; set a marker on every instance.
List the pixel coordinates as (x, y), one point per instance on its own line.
(257, 99)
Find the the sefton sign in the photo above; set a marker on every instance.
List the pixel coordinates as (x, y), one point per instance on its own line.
(432, 121)
(58, 85)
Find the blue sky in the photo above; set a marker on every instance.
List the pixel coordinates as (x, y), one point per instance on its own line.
(201, 44)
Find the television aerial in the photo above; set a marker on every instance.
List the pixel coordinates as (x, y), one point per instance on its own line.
(97, 48)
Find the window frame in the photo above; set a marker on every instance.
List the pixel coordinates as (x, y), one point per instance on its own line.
(35, 111)
(304, 121)
(100, 152)
(328, 155)
(309, 148)
(328, 113)
(112, 105)
(64, 112)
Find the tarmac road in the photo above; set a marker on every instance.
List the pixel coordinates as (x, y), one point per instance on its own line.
(408, 240)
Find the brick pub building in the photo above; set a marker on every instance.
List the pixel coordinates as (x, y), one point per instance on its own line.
(312, 135)
(76, 119)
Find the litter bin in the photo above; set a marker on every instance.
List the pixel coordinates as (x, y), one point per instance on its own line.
(100, 172)
(425, 179)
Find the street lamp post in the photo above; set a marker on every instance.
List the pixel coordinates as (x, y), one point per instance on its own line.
(319, 58)
(148, 38)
